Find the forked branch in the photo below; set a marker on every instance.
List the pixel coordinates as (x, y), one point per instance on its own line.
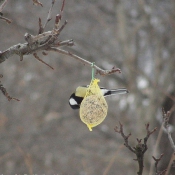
(157, 160)
(141, 147)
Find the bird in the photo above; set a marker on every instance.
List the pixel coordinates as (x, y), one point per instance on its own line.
(77, 97)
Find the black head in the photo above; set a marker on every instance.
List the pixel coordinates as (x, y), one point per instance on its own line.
(75, 101)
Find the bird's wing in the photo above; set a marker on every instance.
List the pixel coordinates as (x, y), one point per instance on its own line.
(114, 91)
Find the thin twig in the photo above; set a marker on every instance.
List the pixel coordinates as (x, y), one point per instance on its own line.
(62, 27)
(85, 62)
(6, 19)
(125, 137)
(155, 149)
(166, 118)
(3, 5)
(157, 160)
(4, 91)
(69, 42)
(148, 132)
(57, 21)
(62, 7)
(171, 163)
(59, 16)
(1, 8)
(39, 59)
(36, 2)
(41, 29)
(49, 15)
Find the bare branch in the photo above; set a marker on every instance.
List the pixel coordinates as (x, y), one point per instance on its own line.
(3, 5)
(108, 72)
(125, 137)
(148, 132)
(41, 29)
(171, 163)
(62, 6)
(157, 160)
(85, 62)
(6, 19)
(140, 149)
(166, 118)
(36, 2)
(4, 91)
(48, 41)
(1, 8)
(62, 27)
(49, 15)
(66, 43)
(34, 44)
(59, 16)
(57, 21)
(37, 57)
(44, 53)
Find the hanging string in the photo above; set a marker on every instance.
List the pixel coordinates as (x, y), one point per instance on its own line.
(93, 70)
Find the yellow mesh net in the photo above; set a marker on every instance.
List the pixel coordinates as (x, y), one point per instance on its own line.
(93, 108)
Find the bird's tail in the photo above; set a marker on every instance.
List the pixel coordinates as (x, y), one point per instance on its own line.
(117, 91)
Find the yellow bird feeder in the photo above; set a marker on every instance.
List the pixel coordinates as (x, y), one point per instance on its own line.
(93, 108)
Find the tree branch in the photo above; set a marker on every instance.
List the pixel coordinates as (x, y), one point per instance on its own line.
(1, 14)
(49, 15)
(4, 91)
(125, 137)
(140, 149)
(157, 160)
(5, 19)
(166, 118)
(36, 2)
(46, 41)
(49, 41)
(85, 62)
(3, 5)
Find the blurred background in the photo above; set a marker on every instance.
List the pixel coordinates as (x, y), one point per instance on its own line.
(41, 134)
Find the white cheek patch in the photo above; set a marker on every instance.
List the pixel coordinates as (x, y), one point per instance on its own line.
(72, 101)
(104, 91)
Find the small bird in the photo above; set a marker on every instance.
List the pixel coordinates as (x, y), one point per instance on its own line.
(77, 97)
